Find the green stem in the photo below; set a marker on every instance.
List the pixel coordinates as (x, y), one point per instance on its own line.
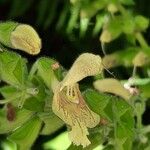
(141, 40)
(122, 10)
(139, 121)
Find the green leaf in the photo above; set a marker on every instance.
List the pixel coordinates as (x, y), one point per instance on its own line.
(98, 103)
(7, 91)
(116, 110)
(103, 104)
(115, 27)
(128, 25)
(99, 23)
(45, 71)
(109, 147)
(25, 136)
(51, 123)
(21, 117)
(40, 86)
(84, 22)
(90, 8)
(144, 89)
(13, 69)
(33, 104)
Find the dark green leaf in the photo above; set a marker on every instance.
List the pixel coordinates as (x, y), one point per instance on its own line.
(25, 136)
(33, 104)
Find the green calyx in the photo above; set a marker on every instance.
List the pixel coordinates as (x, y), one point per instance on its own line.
(6, 28)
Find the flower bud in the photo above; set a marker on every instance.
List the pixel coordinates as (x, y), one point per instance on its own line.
(20, 36)
(112, 86)
(106, 36)
(85, 65)
(141, 59)
(112, 8)
(110, 61)
(25, 38)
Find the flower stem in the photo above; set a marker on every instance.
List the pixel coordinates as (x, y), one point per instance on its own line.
(141, 40)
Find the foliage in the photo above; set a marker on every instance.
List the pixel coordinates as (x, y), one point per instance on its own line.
(29, 89)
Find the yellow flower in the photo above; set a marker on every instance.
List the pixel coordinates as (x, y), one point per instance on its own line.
(25, 38)
(68, 103)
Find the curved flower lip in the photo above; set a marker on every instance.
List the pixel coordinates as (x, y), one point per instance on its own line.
(77, 115)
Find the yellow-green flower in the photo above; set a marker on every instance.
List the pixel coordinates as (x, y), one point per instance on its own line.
(68, 103)
(25, 38)
(20, 36)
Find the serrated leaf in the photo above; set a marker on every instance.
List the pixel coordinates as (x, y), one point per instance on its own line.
(25, 136)
(21, 117)
(118, 112)
(13, 69)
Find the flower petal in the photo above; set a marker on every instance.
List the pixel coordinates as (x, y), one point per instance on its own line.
(77, 115)
(86, 64)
